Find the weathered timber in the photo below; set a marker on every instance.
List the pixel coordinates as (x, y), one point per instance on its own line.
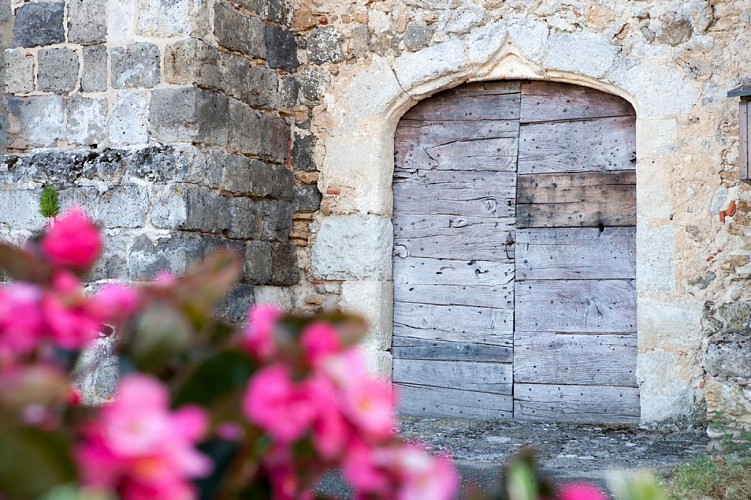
(549, 358)
(576, 403)
(436, 133)
(415, 270)
(469, 375)
(577, 187)
(453, 237)
(467, 106)
(596, 306)
(412, 348)
(438, 402)
(488, 88)
(605, 213)
(548, 101)
(494, 155)
(575, 253)
(497, 296)
(485, 194)
(578, 146)
(479, 325)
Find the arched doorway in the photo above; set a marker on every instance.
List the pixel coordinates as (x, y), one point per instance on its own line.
(514, 254)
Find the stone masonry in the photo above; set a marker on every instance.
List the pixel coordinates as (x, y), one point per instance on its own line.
(268, 126)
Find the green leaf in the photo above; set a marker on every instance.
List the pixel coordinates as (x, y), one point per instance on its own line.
(223, 373)
(49, 204)
(32, 462)
(21, 265)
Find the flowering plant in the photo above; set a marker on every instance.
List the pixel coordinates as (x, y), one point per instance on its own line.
(201, 408)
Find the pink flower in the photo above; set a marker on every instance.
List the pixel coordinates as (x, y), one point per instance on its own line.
(73, 241)
(581, 491)
(279, 406)
(21, 326)
(320, 340)
(142, 448)
(346, 369)
(369, 404)
(113, 302)
(363, 472)
(424, 476)
(331, 431)
(258, 337)
(69, 325)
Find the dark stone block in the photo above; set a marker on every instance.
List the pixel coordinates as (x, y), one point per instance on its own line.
(288, 92)
(205, 210)
(87, 21)
(189, 115)
(276, 138)
(39, 24)
(238, 32)
(276, 220)
(234, 308)
(284, 264)
(94, 77)
(148, 258)
(258, 262)
(324, 46)
(58, 70)
(281, 48)
(302, 152)
(244, 222)
(307, 198)
(271, 10)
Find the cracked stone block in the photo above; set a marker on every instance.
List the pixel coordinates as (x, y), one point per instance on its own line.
(135, 66)
(39, 24)
(87, 21)
(58, 70)
(94, 76)
(86, 120)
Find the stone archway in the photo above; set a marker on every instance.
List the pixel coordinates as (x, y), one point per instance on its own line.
(354, 241)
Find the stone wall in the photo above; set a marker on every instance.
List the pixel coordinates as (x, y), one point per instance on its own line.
(195, 113)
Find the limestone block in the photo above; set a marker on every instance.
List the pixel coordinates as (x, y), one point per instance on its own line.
(87, 21)
(281, 48)
(285, 271)
(238, 32)
(666, 387)
(87, 118)
(730, 399)
(135, 66)
(245, 136)
(353, 247)
(373, 300)
(307, 198)
(113, 263)
(417, 35)
(484, 43)
(94, 76)
(129, 118)
(58, 70)
(672, 325)
(19, 71)
(163, 18)
(35, 121)
(19, 209)
(190, 207)
(655, 271)
(258, 263)
(187, 114)
(658, 137)
(653, 188)
(529, 38)
(379, 363)
(39, 24)
(429, 65)
(589, 55)
(659, 88)
(729, 355)
(123, 206)
(191, 61)
(324, 46)
(280, 297)
(121, 15)
(175, 253)
(97, 372)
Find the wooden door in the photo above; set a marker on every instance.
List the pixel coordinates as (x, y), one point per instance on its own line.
(544, 171)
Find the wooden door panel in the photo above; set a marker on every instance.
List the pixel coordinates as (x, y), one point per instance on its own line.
(440, 402)
(472, 376)
(576, 403)
(465, 106)
(412, 348)
(548, 101)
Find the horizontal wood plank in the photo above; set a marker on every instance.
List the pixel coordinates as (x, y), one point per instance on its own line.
(479, 325)
(612, 213)
(550, 101)
(549, 358)
(493, 155)
(414, 348)
(578, 146)
(421, 271)
(576, 403)
(496, 296)
(438, 402)
(485, 194)
(453, 237)
(467, 106)
(488, 88)
(478, 376)
(575, 253)
(577, 187)
(597, 306)
(436, 133)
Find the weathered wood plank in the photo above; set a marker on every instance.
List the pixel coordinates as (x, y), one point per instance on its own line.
(575, 253)
(494, 378)
(497, 296)
(412, 348)
(485, 194)
(488, 88)
(480, 325)
(452, 237)
(577, 187)
(576, 403)
(596, 306)
(435, 133)
(421, 271)
(494, 155)
(605, 213)
(549, 358)
(466, 106)
(437, 402)
(549, 101)
(580, 146)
